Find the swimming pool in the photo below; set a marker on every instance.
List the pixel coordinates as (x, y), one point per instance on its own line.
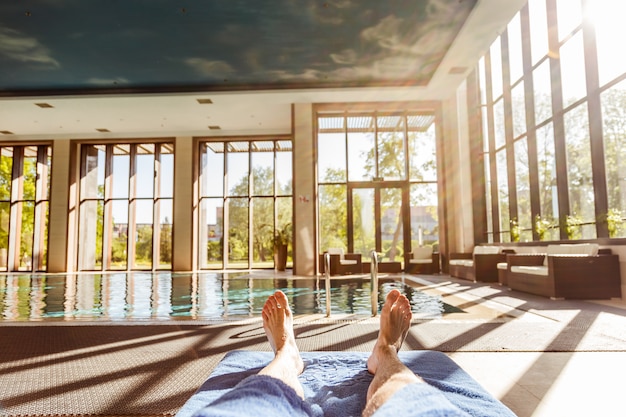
(206, 296)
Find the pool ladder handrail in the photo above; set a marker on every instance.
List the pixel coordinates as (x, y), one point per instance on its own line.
(327, 274)
(373, 282)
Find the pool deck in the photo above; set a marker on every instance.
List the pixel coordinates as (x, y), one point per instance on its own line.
(541, 357)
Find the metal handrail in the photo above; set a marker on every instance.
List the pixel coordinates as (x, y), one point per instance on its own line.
(374, 282)
(327, 273)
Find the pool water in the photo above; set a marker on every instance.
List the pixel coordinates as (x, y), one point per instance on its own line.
(169, 296)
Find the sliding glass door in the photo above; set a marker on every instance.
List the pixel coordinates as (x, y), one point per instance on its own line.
(377, 221)
(377, 181)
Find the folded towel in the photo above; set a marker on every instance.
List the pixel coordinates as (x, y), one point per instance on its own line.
(335, 383)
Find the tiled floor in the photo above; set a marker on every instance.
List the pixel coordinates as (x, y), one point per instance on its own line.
(555, 384)
(551, 384)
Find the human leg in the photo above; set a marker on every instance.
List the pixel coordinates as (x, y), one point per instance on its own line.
(275, 390)
(390, 374)
(395, 389)
(278, 324)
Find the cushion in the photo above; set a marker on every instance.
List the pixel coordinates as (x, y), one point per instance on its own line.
(571, 249)
(462, 262)
(487, 250)
(336, 251)
(421, 261)
(502, 265)
(423, 252)
(528, 269)
(336, 382)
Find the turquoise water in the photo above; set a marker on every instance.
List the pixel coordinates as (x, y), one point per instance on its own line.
(206, 296)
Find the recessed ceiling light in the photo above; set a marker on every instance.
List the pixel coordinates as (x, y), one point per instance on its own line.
(44, 105)
(214, 127)
(205, 101)
(102, 130)
(457, 70)
(6, 132)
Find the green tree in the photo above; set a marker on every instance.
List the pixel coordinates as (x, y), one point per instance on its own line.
(119, 249)
(165, 243)
(29, 185)
(614, 135)
(333, 211)
(391, 160)
(6, 168)
(262, 227)
(143, 245)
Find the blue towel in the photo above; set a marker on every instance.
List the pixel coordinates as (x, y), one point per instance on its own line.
(335, 383)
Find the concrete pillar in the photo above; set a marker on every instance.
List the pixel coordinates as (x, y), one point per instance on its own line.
(183, 256)
(304, 192)
(59, 207)
(457, 175)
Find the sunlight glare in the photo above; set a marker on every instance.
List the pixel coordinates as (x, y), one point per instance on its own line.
(605, 12)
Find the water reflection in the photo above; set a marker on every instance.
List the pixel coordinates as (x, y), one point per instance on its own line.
(164, 296)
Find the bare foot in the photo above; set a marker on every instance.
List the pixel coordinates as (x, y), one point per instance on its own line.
(278, 326)
(395, 320)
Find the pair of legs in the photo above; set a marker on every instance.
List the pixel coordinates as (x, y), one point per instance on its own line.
(390, 375)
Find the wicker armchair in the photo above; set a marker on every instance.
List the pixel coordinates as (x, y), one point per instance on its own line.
(581, 271)
(342, 263)
(421, 261)
(480, 265)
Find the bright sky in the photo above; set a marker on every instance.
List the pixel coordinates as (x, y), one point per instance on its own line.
(608, 19)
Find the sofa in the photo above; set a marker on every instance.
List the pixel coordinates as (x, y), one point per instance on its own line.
(341, 263)
(422, 261)
(574, 271)
(480, 265)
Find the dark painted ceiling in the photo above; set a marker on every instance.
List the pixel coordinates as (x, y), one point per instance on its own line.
(80, 46)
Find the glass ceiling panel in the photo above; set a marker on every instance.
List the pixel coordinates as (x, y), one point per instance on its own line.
(216, 147)
(284, 145)
(331, 124)
(419, 122)
(238, 146)
(360, 123)
(262, 146)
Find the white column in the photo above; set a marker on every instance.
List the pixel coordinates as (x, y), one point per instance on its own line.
(184, 252)
(58, 248)
(304, 193)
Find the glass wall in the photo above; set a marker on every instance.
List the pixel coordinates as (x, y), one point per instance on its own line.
(245, 207)
(553, 123)
(377, 182)
(24, 206)
(126, 203)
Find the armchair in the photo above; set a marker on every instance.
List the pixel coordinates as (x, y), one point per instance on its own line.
(480, 265)
(342, 263)
(578, 271)
(421, 261)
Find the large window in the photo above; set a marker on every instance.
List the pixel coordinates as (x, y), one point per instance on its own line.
(614, 128)
(553, 123)
(24, 205)
(377, 181)
(126, 203)
(246, 205)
